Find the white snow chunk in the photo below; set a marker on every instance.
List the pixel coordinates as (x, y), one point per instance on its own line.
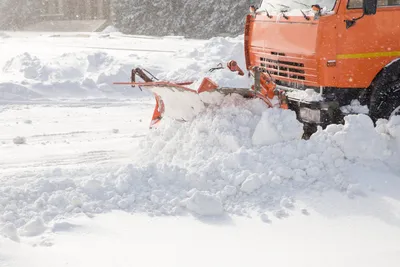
(93, 187)
(305, 212)
(359, 139)
(63, 226)
(287, 203)
(204, 204)
(10, 231)
(355, 107)
(19, 140)
(264, 217)
(277, 125)
(281, 213)
(251, 184)
(34, 227)
(229, 190)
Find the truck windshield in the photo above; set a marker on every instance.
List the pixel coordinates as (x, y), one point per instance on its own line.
(326, 5)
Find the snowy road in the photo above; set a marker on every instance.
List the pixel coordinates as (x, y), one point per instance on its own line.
(84, 182)
(70, 134)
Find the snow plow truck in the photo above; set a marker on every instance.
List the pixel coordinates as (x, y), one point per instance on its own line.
(314, 59)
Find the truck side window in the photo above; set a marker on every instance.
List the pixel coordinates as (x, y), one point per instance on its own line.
(358, 3)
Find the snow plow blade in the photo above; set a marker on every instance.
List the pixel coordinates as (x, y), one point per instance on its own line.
(183, 101)
(180, 102)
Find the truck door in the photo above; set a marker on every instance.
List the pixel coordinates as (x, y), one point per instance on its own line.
(364, 48)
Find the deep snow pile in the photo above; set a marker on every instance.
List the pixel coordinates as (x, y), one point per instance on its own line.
(238, 158)
(246, 156)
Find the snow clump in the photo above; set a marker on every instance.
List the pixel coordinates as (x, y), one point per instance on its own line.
(19, 140)
(204, 204)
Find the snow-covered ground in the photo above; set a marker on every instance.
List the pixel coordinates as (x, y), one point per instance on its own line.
(83, 181)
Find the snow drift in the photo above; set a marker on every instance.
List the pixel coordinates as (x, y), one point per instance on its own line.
(226, 161)
(84, 74)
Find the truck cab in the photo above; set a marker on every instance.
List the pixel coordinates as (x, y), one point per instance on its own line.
(326, 55)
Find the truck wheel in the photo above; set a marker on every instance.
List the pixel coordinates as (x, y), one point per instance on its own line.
(385, 99)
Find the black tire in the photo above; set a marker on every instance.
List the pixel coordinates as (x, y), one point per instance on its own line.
(385, 95)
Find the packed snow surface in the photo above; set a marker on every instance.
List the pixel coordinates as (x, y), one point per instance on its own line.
(87, 152)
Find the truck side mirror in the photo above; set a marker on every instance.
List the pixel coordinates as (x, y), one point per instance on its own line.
(370, 7)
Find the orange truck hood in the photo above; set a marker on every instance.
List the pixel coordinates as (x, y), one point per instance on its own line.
(286, 37)
(290, 43)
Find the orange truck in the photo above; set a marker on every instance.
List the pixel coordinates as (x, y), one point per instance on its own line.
(348, 51)
(314, 58)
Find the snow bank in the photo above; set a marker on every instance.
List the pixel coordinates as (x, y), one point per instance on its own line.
(84, 73)
(361, 141)
(209, 167)
(75, 74)
(215, 51)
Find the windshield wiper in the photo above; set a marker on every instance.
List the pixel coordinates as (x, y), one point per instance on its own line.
(283, 14)
(284, 10)
(266, 11)
(280, 10)
(268, 15)
(302, 12)
(304, 15)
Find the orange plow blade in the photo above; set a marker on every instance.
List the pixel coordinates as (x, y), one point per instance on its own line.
(181, 102)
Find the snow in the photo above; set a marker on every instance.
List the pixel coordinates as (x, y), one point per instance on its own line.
(225, 78)
(271, 128)
(122, 239)
(308, 95)
(19, 140)
(252, 183)
(92, 173)
(204, 204)
(355, 107)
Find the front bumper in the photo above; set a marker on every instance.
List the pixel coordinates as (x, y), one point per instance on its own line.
(314, 112)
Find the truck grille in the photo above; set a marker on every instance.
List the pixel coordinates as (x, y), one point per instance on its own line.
(293, 70)
(288, 69)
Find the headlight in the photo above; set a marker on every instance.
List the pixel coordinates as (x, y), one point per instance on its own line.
(310, 115)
